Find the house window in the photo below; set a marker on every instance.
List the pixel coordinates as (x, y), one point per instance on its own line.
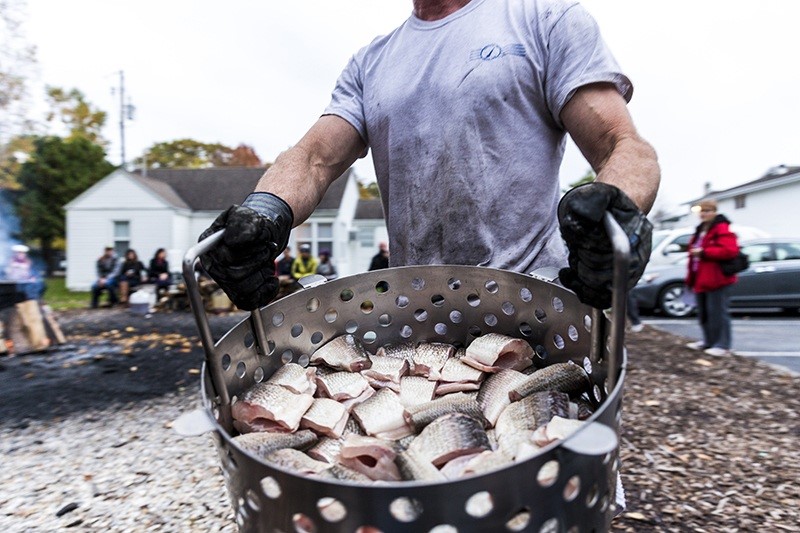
(122, 237)
(738, 201)
(366, 237)
(318, 234)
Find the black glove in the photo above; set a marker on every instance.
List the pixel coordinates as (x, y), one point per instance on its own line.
(591, 256)
(243, 263)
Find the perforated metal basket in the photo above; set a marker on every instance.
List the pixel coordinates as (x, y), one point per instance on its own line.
(453, 304)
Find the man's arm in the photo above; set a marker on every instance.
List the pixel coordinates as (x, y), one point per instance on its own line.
(302, 174)
(597, 119)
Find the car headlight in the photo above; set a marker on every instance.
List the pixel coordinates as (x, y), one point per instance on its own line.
(648, 277)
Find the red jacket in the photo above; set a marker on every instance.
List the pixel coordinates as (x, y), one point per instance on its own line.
(719, 244)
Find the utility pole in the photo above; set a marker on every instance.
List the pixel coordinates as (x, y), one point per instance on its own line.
(125, 113)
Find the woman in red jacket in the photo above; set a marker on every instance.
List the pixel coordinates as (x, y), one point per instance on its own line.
(712, 242)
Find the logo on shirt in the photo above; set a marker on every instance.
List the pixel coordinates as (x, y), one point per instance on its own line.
(491, 52)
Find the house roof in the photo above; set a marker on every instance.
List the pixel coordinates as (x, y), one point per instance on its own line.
(215, 189)
(369, 209)
(775, 176)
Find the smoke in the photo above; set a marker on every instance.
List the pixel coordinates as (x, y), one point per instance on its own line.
(9, 233)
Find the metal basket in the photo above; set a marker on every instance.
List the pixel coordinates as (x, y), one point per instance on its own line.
(452, 304)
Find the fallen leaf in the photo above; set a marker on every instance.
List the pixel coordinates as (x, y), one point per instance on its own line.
(703, 362)
(194, 371)
(134, 368)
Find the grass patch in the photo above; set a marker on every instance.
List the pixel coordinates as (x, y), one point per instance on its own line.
(59, 297)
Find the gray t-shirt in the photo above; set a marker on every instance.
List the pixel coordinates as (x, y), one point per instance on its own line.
(462, 117)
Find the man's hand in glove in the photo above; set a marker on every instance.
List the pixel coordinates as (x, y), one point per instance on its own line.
(243, 263)
(591, 256)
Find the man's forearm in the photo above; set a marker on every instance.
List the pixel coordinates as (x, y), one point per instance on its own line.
(633, 167)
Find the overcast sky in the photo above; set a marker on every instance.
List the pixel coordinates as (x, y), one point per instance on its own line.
(716, 82)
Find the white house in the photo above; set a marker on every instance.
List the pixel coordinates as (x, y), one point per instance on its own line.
(169, 208)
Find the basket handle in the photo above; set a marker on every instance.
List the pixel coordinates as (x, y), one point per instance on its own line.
(619, 291)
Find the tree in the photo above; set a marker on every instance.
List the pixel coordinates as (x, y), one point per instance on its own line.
(589, 177)
(57, 171)
(17, 60)
(79, 116)
(368, 190)
(12, 155)
(188, 153)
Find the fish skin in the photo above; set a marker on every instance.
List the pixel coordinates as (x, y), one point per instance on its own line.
(415, 390)
(386, 369)
(494, 351)
(271, 403)
(263, 443)
(562, 377)
(343, 473)
(296, 378)
(456, 371)
(326, 417)
(419, 416)
(516, 424)
(430, 357)
(448, 437)
(382, 416)
(296, 461)
(341, 385)
(493, 395)
(405, 350)
(344, 352)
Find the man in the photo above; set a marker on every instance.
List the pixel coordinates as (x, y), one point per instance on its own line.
(106, 277)
(466, 107)
(304, 265)
(381, 259)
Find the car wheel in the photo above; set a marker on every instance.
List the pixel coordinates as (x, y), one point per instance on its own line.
(672, 303)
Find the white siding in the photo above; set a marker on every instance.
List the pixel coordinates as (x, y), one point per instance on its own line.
(772, 210)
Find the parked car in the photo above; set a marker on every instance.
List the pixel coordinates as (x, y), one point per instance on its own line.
(670, 245)
(771, 281)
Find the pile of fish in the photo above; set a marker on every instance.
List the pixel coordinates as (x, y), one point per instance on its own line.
(424, 412)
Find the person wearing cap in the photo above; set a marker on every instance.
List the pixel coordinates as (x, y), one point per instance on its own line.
(304, 265)
(713, 241)
(326, 267)
(381, 259)
(19, 268)
(107, 272)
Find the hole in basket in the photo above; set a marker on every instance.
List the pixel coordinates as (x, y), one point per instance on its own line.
(271, 488)
(303, 524)
(406, 331)
(540, 315)
(417, 284)
(550, 526)
(519, 521)
(454, 284)
(331, 509)
(572, 488)
(286, 356)
(587, 365)
(249, 340)
(351, 326)
(526, 329)
(475, 331)
(558, 340)
(316, 337)
(598, 395)
(479, 504)
(303, 360)
(367, 307)
(491, 286)
(456, 317)
(548, 474)
(297, 330)
(604, 503)
(381, 287)
(331, 315)
(508, 308)
(252, 500)
(370, 337)
(444, 528)
(277, 319)
(270, 347)
(572, 332)
(474, 300)
(258, 375)
(401, 301)
(440, 328)
(226, 362)
(421, 315)
(490, 320)
(312, 305)
(592, 497)
(525, 294)
(607, 458)
(558, 305)
(385, 320)
(346, 295)
(541, 352)
(405, 509)
(437, 300)
(241, 369)
(587, 323)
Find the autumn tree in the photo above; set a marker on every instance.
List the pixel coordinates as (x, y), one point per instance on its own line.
(79, 117)
(57, 171)
(189, 153)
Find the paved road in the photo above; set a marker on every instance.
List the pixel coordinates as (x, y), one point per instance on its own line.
(771, 338)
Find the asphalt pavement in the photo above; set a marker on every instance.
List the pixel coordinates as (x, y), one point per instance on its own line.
(773, 339)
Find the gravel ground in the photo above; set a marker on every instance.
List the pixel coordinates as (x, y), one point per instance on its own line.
(709, 444)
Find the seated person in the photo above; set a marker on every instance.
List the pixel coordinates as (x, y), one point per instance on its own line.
(158, 273)
(107, 272)
(132, 274)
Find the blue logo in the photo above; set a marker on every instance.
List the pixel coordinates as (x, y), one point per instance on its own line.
(491, 52)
